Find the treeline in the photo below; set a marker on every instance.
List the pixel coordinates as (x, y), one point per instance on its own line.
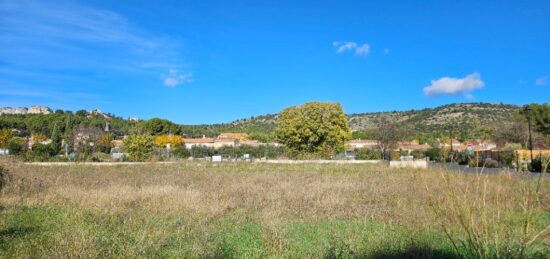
(64, 126)
(66, 121)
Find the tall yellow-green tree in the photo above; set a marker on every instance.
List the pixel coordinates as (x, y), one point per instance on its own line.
(138, 147)
(317, 128)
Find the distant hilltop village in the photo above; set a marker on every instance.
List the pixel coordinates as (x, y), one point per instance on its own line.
(46, 110)
(24, 110)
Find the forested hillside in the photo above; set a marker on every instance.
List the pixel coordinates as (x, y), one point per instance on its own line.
(460, 118)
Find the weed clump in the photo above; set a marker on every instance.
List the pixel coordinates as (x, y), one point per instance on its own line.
(477, 230)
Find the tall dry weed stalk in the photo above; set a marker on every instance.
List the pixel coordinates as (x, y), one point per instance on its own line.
(477, 216)
(3, 176)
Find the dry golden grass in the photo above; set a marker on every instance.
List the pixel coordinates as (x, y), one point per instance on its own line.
(271, 194)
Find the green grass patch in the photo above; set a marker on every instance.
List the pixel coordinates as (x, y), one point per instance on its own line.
(64, 232)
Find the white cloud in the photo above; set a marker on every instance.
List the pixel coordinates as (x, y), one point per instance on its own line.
(175, 78)
(449, 85)
(386, 50)
(344, 46)
(542, 81)
(358, 50)
(362, 50)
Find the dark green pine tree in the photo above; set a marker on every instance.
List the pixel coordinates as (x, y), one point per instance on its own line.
(56, 138)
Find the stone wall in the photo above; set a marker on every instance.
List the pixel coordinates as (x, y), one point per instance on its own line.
(410, 164)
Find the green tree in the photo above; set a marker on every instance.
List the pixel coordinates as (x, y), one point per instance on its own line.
(156, 126)
(138, 147)
(81, 113)
(37, 123)
(56, 138)
(540, 115)
(313, 128)
(103, 144)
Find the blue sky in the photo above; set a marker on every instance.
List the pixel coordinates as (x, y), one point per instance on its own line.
(217, 61)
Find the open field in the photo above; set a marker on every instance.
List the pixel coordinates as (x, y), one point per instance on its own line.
(199, 209)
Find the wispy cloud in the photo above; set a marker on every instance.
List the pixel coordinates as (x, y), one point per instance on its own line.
(70, 37)
(344, 46)
(175, 78)
(359, 50)
(542, 81)
(362, 50)
(453, 86)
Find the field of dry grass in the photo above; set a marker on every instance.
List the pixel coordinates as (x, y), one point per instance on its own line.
(195, 209)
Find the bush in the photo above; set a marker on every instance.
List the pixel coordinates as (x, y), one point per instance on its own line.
(440, 155)
(538, 163)
(462, 158)
(418, 154)
(40, 153)
(99, 157)
(138, 147)
(17, 146)
(490, 163)
(507, 158)
(200, 151)
(366, 154)
(434, 154)
(181, 152)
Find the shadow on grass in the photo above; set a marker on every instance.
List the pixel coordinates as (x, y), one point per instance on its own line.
(413, 252)
(14, 232)
(409, 253)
